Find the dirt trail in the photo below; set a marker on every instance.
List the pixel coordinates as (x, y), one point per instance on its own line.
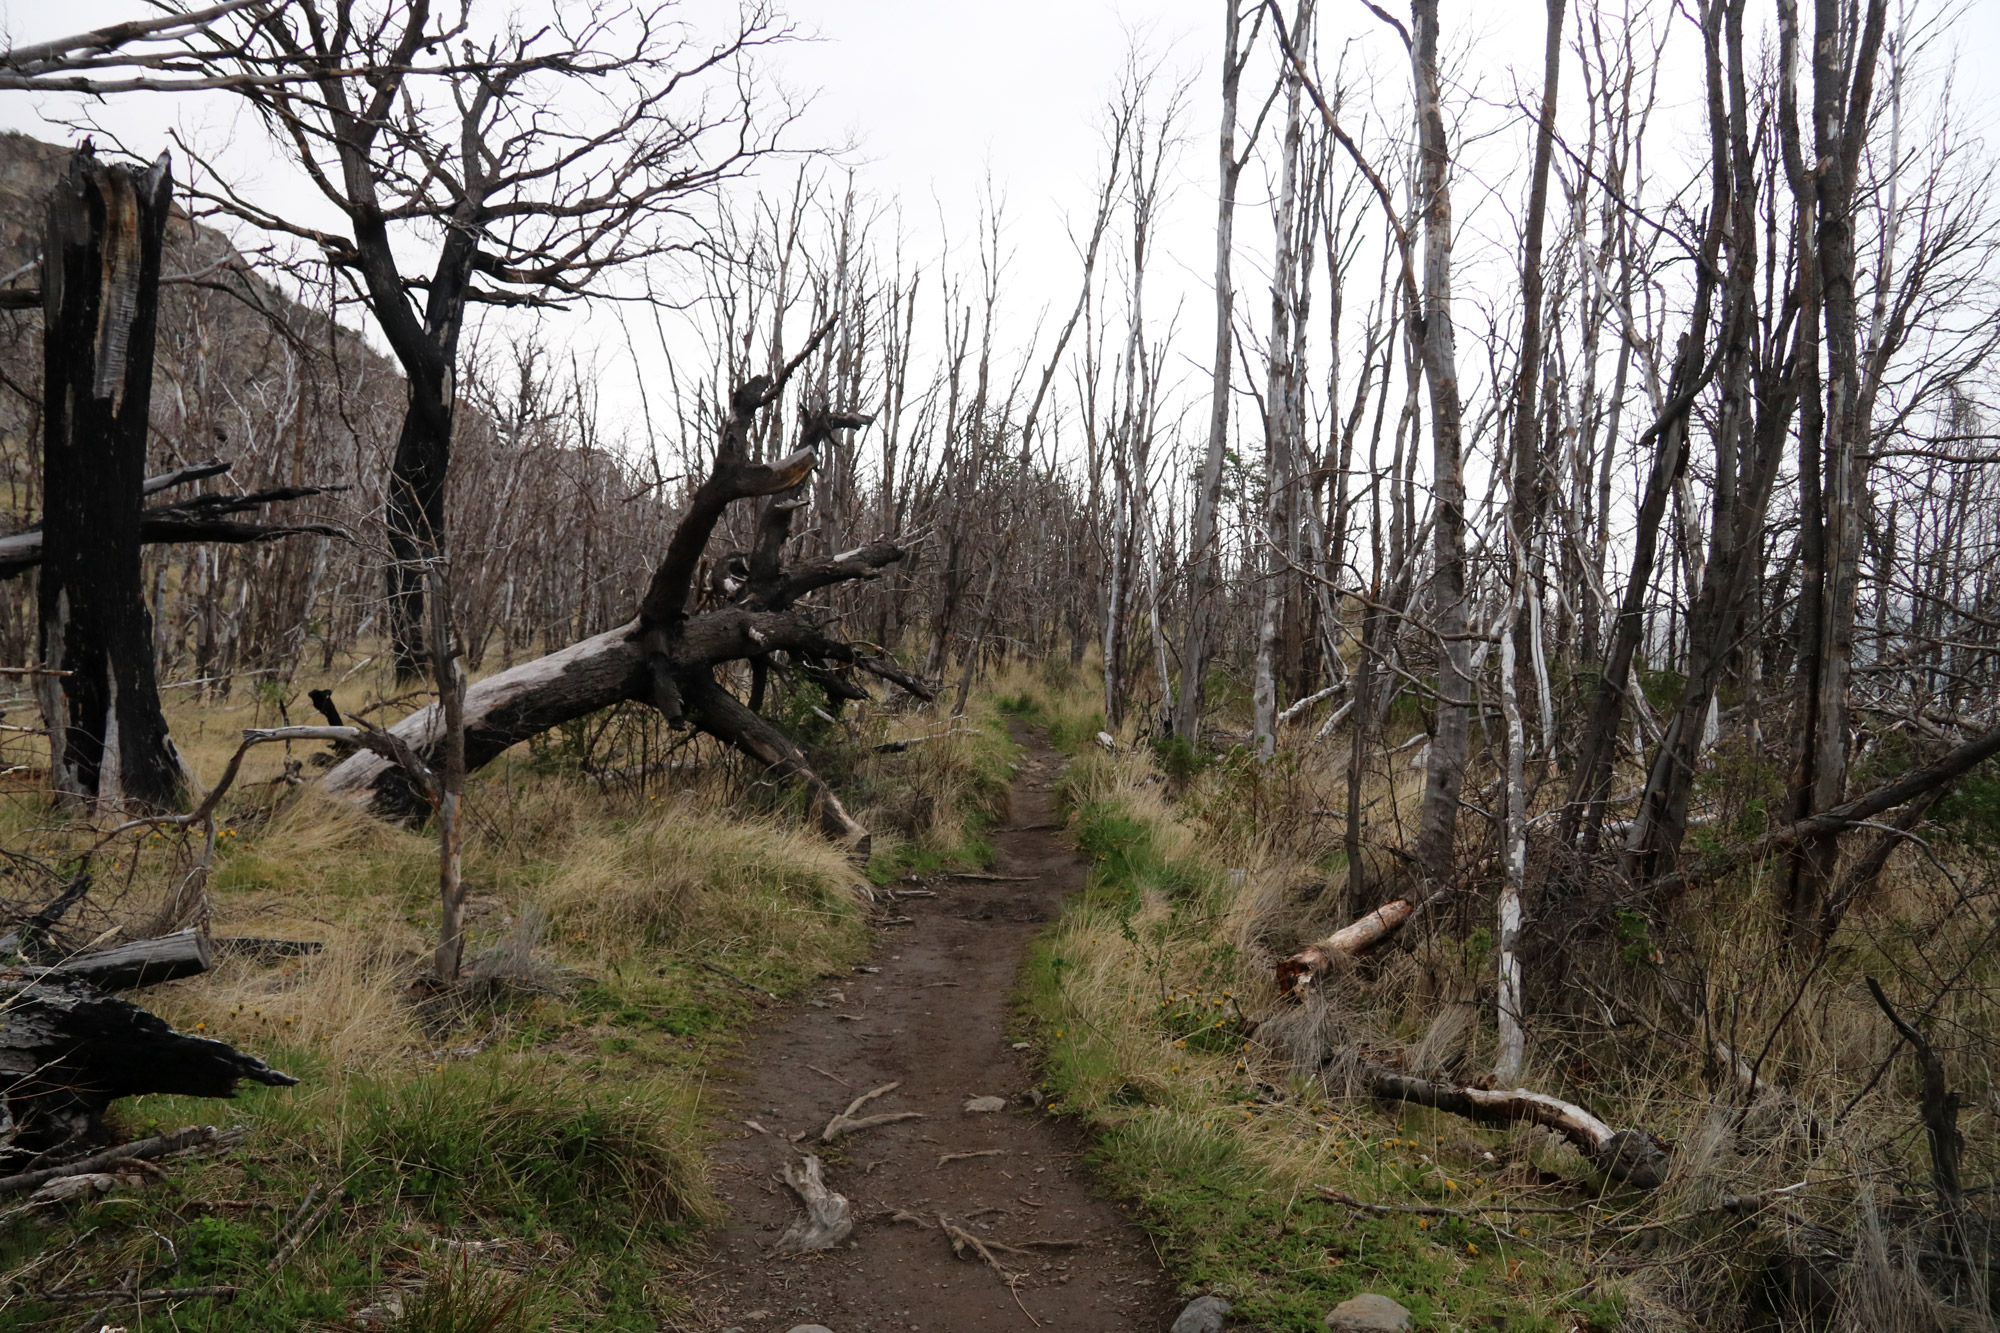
(935, 1017)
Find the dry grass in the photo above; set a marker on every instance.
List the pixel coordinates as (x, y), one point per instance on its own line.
(1203, 879)
(557, 1099)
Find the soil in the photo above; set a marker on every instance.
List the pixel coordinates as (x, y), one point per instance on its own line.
(934, 1019)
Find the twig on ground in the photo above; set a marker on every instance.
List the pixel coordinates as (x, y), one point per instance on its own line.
(835, 1077)
(180, 1140)
(731, 976)
(847, 1122)
(136, 1297)
(303, 1232)
(962, 1156)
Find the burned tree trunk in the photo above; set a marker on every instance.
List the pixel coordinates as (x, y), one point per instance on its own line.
(100, 295)
(67, 1052)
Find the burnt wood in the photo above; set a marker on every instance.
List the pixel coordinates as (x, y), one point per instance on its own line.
(100, 300)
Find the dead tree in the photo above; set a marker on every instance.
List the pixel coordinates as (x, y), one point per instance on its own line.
(668, 654)
(545, 159)
(108, 739)
(67, 1052)
(1202, 555)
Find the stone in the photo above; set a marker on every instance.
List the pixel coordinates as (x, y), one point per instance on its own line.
(812, 1328)
(1368, 1313)
(984, 1104)
(1202, 1315)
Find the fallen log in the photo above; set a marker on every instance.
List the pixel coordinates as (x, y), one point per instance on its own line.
(67, 1051)
(185, 953)
(1302, 969)
(1630, 1156)
(666, 656)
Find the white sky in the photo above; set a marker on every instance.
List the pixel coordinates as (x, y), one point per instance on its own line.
(939, 97)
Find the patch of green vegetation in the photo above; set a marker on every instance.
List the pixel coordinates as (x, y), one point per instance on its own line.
(1972, 812)
(932, 805)
(1286, 1257)
(927, 858)
(1019, 704)
(506, 1147)
(1132, 998)
(1178, 759)
(1124, 858)
(1663, 687)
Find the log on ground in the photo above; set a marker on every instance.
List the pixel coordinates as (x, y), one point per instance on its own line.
(67, 1051)
(1630, 1156)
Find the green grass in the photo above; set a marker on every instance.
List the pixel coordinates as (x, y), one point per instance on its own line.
(1131, 998)
(534, 1158)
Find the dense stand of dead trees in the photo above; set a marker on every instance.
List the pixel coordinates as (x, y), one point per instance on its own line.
(1729, 438)
(1689, 457)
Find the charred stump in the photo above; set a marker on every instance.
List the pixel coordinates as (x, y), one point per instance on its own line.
(100, 297)
(67, 1051)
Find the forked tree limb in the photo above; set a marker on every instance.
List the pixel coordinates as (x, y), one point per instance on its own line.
(201, 519)
(1630, 1156)
(141, 1150)
(847, 1122)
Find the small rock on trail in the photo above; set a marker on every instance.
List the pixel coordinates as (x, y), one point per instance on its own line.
(934, 1021)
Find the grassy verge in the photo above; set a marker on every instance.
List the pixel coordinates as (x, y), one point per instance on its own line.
(1137, 997)
(527, 1152)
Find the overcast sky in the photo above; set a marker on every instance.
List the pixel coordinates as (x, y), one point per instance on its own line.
(941, 97)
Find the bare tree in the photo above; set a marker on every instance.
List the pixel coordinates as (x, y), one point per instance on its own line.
(1203, 560)
(530, 164)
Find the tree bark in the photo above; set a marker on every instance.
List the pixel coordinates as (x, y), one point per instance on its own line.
(185, 953)
(1444, 774)
(1195, 645)
(1281, 409)
(100, 294)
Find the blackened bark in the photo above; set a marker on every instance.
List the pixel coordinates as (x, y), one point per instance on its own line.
(415, 512)
(67, 1052)
(100, 298)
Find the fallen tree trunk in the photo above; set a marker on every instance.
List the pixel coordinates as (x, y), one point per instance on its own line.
(68, 1051)
(1630, 1156)
(185, 953)
(667, 655)
(1302, 969)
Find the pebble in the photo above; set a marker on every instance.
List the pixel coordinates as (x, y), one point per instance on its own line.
(812, 1328)
(1368, 1313)
(1202, 1315)
(982, 1104)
